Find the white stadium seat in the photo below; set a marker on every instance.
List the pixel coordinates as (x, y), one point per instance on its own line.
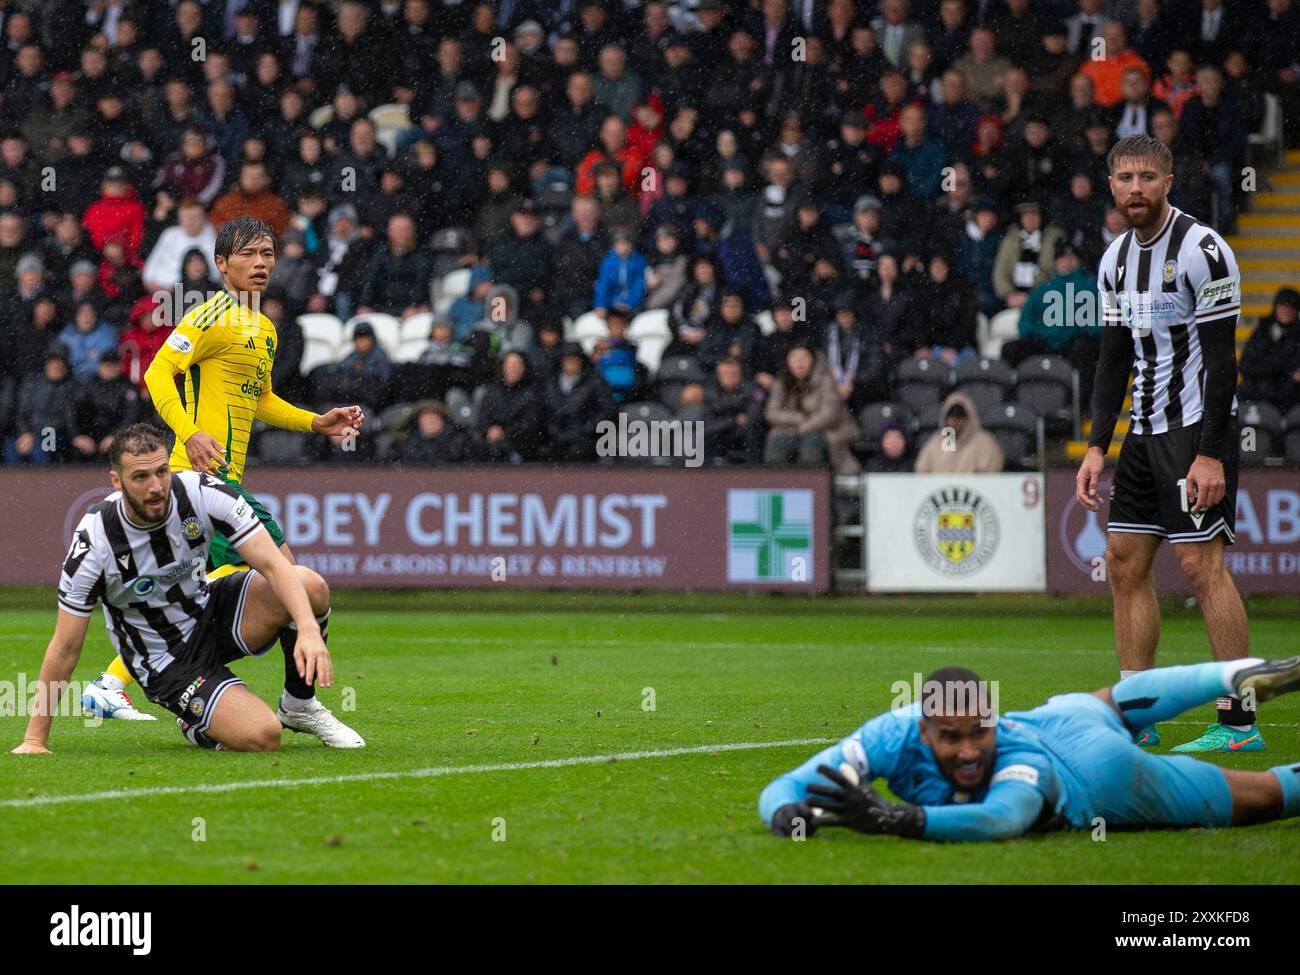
(321, 327)
(317, 353)
(391, 116)
(650, 352)
(1003, 328)
(454, 284)
(589, 329)
(650, 325)
(416, 327)
(410, 350)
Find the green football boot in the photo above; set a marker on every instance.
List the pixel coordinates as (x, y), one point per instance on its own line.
(1220, 738)
(1148, 737)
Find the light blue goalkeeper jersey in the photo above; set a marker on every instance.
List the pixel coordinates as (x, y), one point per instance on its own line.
(1065, 763)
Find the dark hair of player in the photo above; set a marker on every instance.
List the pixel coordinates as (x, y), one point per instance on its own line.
(1140, 147)
(239, 233)
(138, 438)
(957, 686)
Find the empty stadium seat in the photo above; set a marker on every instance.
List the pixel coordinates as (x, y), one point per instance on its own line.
(650, 351)
(1265, 421)
(1049, 384)
(316, 353)
(650, 324)
(415, 327)
(321, 327)
(282, 447)
(1003, 327)
(1018, 430)
(1292, 434)
(394, 115)
(921, 383)
(647, 412)
(453, 285)
(588, 329)
(984, 371)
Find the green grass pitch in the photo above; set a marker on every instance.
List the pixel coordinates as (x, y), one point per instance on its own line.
(446, 684)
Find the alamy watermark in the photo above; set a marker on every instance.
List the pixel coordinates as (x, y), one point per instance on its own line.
(948, 698)
(651, 439)
(20, 698)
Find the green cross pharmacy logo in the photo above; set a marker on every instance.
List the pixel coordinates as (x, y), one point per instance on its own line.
(769, 535)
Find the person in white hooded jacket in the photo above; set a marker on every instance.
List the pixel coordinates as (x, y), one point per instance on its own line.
(162, 269)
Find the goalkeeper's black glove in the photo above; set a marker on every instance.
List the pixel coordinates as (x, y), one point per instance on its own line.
(784, 819)
(861, 808)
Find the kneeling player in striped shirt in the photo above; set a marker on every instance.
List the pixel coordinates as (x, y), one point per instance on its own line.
(141, 552)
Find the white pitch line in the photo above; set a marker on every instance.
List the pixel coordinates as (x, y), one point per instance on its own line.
(490, 641)
(421, 773)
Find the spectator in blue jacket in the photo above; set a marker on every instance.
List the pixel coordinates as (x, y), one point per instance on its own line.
(621, 280)
(977, 251)
(922, 155)
(86, 338)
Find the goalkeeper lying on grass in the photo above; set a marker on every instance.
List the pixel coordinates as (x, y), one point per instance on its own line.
(964, 773)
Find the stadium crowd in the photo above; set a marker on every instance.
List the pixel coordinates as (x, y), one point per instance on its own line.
(869, 176)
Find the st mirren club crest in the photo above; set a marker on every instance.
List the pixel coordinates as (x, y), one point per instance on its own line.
(192, 530)
(955, 531)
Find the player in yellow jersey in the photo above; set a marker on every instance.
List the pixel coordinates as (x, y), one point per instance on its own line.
(224, 350)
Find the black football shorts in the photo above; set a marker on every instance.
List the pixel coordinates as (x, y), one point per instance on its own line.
(1149, 496)
(194, 682)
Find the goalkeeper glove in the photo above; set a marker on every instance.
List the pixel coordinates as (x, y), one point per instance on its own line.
(784, 819)
(858, 806)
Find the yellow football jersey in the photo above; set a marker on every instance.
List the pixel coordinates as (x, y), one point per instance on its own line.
(224, 351)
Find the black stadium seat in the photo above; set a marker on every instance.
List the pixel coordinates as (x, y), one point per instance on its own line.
(1264, 421)
(675, 372)
(1015, 426)
(647, 412)
(876, 416)
(1048, 384)
(1292, 424)
(987, 397)
(920, 383)
(993, 371)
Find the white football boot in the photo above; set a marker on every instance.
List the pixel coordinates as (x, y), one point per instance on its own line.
(316, 719)
(97, 702)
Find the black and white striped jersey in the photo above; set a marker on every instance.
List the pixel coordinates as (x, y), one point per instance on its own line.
(1162, 291)
(152, 582)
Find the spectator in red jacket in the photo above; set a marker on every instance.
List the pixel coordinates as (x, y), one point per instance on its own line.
(197, 170)
(253, 197)
(118, 214)
(146, 331)
(613, 148)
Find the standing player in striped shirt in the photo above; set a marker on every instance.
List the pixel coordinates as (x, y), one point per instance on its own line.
(1170, 299)
(223, 350)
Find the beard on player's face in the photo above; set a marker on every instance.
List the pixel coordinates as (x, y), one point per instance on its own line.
(963, 748)
(1142, 202)
(148, 504)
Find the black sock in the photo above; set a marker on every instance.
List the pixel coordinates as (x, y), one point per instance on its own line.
(1232, 711)
(294, 685)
